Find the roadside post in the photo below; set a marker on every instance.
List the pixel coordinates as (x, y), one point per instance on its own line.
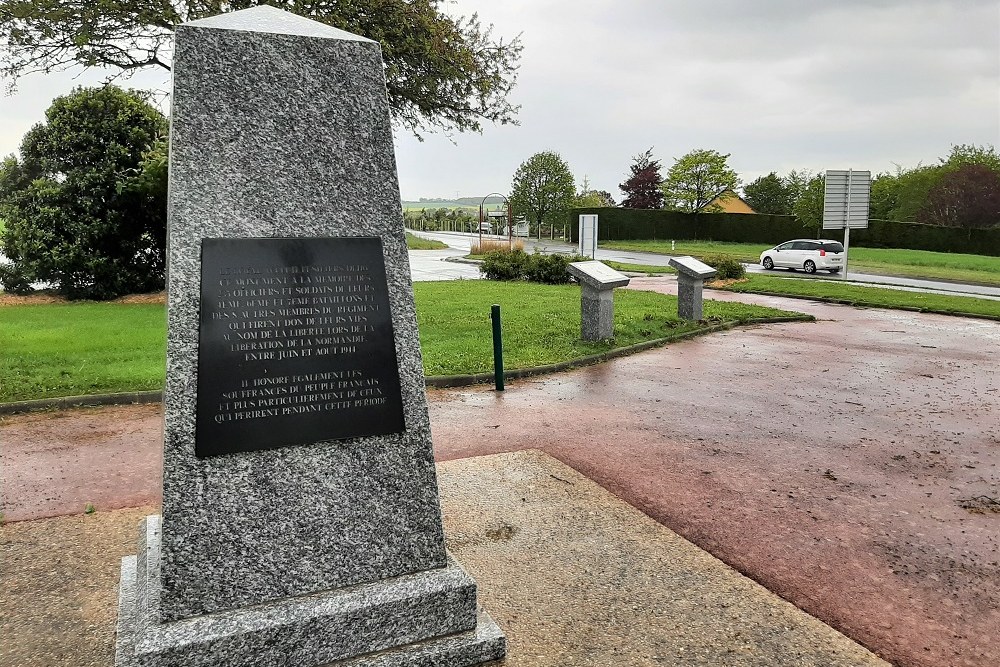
(497, 348)
(588, 236)
(845, 203)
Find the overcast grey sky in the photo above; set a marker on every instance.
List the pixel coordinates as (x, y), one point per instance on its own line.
(779, 84)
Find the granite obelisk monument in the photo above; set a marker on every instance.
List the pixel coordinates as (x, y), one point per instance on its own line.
(300, 521)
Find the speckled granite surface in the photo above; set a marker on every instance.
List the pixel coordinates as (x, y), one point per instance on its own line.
(283, 135)
(313, 629)
(280, 128)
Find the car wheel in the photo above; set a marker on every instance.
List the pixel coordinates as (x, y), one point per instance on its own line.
(768, 264)
(809, 266)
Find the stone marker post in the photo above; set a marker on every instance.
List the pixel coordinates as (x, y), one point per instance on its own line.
(597, 304)
(691, 275)
(300, 521)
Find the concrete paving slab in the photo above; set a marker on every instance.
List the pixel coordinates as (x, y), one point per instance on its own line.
(576, 576)
(573, 575)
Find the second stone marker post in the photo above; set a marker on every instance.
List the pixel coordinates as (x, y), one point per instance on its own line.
(597, 303)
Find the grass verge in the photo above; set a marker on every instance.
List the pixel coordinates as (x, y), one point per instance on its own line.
(541, 323)
(417, 243)
(648, 269)
(954, 267)
(80, 348)
(875, 297)
(57, 350)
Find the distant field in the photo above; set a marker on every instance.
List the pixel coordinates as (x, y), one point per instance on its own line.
(417, 205)
(417, 243)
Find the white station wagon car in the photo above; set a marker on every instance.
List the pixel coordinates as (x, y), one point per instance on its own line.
(809, 255)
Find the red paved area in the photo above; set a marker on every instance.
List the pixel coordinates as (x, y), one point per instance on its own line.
(847, 464)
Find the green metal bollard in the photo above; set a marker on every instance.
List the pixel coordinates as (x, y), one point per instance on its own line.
(497, 348)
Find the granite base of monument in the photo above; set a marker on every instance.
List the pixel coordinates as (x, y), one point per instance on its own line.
(425, 618)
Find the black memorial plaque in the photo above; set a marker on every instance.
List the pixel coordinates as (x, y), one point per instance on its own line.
(295, 344)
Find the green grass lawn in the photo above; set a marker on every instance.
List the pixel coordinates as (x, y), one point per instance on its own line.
(878, 297)
(86, 348)
(417, 243)
(948, 266)
(81, 348)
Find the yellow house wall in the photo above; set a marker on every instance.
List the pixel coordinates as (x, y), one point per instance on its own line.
(729, 204)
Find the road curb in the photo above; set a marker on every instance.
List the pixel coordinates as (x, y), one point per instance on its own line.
(437, 381)
(123, 398)
(463, 260)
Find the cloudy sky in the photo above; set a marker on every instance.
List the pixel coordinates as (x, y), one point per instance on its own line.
(778, 84)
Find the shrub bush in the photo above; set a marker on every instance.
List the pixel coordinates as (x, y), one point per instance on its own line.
(516, 264)
(504, 264)
(728, 268)
(85, 205)
(548, 269)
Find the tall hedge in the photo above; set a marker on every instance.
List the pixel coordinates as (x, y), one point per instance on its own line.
(622, 224)
(914, 236)
(626, 224)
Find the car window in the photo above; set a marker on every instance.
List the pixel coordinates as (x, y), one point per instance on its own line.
(803, 245)
(785, 246)
(833, 246)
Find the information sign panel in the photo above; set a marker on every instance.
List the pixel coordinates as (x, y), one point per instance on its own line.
(846, 198)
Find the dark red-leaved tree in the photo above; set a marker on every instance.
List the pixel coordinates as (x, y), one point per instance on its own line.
(642, 189)
(967, 197)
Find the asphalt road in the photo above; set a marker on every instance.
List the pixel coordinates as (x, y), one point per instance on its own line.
(462, 242)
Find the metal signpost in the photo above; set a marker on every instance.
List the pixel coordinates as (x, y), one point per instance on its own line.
(502, 216)
(845, 203)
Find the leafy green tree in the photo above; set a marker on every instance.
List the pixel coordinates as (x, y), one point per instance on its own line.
(442, 72)
(768, 194)
(642, 188)
(883, 197)
(969, 154)
(912, 187)
(588, 198)
(85, 207)
(796, 183)
(696, 178)
(808, 208)
(968, 196)
(543, 189)
(906, 194)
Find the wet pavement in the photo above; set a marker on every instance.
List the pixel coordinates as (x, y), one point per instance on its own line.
(850, 464)
(438, 265)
